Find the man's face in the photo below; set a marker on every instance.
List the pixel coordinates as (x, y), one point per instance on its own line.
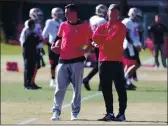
(157, 19)
(113, 14)
(70, 14)
(32, 27)
(138, 19)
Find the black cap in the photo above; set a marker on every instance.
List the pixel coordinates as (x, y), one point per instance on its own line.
(72, 7)
(114, 6)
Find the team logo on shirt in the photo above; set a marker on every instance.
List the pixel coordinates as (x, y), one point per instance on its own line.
(111, 30)
(76, 30)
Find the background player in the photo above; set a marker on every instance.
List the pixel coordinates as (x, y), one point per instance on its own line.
(50, 31)
(95, 21)
(132, 45)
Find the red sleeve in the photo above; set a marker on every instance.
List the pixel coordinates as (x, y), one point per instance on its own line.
(60, 30)
(89, 33)
(98, 36)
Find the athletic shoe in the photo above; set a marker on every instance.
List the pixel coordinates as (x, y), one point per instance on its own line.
(29, 87)
(135, 79)
(108, 117)
(74, 117)
(86, 85)
(35, 86)
(55, 116)
(130, 87)
(52, 83)
(120, 117)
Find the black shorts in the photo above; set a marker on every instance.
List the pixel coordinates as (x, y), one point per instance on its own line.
(53, 57)
(135, 57)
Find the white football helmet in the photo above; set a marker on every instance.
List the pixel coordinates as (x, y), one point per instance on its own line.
(133, 12)
(36, 14)
(101, 10)
(57, 13)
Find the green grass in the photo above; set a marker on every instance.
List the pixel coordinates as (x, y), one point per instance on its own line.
(39, 102)
(150, 92)
(7, 49)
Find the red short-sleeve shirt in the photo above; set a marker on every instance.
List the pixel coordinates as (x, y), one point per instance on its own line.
(74, 37)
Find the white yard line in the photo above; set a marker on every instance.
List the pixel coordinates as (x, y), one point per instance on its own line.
(147, 61)
(27, 121)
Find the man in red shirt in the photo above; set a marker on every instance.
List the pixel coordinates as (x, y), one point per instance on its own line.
(73, 38)
(110, 37)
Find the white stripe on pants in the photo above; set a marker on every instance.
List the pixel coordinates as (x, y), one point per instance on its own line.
(66, 73)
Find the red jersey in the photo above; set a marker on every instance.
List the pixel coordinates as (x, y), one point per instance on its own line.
(74, 37)
(110, 37)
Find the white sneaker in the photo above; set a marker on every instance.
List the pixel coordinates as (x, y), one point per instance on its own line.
(55, 116)
(74, 117)
(52, 83)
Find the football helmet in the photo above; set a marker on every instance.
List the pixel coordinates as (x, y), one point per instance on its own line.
(101, 10)
(57, 13)
(133, 12)
(36, 14)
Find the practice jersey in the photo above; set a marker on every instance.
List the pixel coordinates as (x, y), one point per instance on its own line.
(95, 21)
(133, 32)
(23, 36)
(51, 29)
(38, 31)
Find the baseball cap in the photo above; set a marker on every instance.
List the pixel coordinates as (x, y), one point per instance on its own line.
(113, 6)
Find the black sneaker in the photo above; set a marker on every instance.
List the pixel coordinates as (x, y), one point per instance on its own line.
(29, 87)
(120, 117)
(108, 117)
(86, 85)
(34, 86)
(130, 87)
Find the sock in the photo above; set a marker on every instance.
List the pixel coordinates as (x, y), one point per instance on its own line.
(126, 76)
(128, 81)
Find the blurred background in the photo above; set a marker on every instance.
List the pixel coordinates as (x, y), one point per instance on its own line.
(13, 13)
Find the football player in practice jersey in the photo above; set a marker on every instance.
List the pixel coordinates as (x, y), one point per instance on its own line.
(132, 45)
(49, 32)
(96, 20)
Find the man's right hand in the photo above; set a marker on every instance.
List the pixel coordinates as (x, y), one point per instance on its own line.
(55, 47)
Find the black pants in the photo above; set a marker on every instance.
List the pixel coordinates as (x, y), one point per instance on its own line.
(113, 72)
(53, 57)
(161, 48)
(29, 67)
(39, 58)
(95, 67)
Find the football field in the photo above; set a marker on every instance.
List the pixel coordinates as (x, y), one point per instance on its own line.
(146, 105)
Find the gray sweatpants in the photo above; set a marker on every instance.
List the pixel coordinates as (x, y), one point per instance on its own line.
(65, 74)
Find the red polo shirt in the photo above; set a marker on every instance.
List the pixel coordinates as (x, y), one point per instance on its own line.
(110, 37)
(74, 37)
